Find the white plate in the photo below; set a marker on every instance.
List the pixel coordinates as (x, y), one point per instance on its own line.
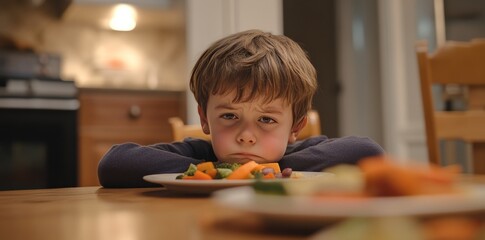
(311, 211)
(208, 186)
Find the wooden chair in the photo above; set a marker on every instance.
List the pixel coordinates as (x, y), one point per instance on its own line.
(181, 131)
(461, 64)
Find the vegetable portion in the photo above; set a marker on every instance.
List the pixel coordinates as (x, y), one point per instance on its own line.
(372, 177)
(234, 171)
(385, 177)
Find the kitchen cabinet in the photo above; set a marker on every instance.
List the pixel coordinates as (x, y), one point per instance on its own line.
(110, 116)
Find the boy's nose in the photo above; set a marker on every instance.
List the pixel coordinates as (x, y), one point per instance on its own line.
(246, 136)
(250, 140)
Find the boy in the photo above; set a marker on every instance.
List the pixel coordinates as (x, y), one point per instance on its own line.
(253, 91)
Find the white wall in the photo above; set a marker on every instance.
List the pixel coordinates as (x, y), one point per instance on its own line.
(358, 62)
(210, 20)
(399, 28)
(388, 109)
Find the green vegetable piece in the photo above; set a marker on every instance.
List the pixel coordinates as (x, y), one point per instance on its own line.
(232, 166)
(191, 170)
(179, 176)
(235, 166)
(257, 175)
(275, 188)
(223, 173)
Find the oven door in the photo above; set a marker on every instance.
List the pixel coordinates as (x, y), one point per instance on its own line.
(38, 146)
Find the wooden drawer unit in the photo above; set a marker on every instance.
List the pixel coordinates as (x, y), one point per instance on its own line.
(109, 117)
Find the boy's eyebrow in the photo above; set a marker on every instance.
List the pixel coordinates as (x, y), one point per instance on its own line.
(271, 109)
(266, 109)
(225, 106)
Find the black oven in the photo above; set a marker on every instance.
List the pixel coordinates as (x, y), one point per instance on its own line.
(38, 133)
(37, 148)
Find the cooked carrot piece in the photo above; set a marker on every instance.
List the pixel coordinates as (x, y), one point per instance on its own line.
(212, 172)
(187, 177)
(258, 168)
(205, 166)
(243, 171)
(385, 177)
(199, 175)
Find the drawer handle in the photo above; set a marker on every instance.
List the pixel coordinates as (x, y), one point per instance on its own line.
(134, 112)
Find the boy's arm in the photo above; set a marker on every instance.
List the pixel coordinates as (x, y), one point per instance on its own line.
(318, 153)
(124, 165)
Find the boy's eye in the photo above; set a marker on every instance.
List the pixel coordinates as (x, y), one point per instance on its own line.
(228, 116)
(267, 120)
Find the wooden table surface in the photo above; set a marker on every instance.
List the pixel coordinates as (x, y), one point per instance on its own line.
(137, 213)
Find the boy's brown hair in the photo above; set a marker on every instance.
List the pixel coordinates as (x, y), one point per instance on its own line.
(256, 64)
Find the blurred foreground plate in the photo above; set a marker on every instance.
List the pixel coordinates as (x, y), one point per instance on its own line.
(311, 211)
(208, 186)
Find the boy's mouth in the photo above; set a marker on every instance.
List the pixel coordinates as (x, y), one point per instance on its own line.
(245, 157)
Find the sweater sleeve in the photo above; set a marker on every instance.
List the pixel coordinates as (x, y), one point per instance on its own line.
(124, 165)
(318, 153)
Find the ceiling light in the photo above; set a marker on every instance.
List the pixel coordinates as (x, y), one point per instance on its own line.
(123, 18)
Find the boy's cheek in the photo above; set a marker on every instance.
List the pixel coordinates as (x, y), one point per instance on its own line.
(273, 148)
(220, 145)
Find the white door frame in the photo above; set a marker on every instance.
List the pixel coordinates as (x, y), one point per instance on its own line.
(210, 20)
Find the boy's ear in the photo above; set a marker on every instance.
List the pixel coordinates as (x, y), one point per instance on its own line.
(296, 129)
(203, 120)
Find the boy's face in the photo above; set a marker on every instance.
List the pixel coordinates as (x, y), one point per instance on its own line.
(249, 130)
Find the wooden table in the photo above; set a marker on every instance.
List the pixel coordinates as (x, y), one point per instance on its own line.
(139, 213)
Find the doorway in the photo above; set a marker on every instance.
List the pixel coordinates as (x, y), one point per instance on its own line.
(312, 24)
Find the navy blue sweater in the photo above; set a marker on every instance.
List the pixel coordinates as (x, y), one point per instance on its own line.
(124, 165)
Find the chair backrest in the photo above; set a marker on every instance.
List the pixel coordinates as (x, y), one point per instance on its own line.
(313, 126)
(181, 131)
(462, 65)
